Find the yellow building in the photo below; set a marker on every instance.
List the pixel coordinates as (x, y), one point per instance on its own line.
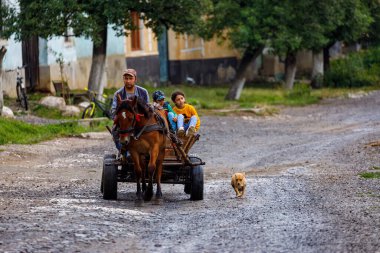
(179, 58)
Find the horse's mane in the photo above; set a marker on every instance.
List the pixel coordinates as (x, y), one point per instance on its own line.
(124, 105)
(144, 108)
(141, 107)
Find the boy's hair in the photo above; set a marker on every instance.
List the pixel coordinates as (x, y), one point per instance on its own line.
(175, 94)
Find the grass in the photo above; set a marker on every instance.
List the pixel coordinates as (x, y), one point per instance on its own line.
(370, 175)
(45, 112)
(263, 98)
(17, 132)
(213, 98)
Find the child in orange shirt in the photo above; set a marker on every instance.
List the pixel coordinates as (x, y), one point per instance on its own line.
(187, 117)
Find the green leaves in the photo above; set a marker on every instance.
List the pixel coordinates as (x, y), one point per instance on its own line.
(47, 18)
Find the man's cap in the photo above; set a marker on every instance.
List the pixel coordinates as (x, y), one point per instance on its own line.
(130, 72)
(158, 95)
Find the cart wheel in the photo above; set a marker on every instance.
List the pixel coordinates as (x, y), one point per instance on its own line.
(187, 188)
(196, 192)
(106, 157)
(109, 180)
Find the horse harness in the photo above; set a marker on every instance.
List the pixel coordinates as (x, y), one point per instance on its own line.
(137, 132)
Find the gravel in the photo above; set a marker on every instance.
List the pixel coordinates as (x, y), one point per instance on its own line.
(304, 192)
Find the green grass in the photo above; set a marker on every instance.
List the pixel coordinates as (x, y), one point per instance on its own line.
(207, 100)
(370, 175)
(213, 97)
(17, 132)
(45, 112)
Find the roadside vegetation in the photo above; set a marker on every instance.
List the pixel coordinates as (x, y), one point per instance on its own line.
(374, 173)
(206, 99)
(18, 132)
(356, 73)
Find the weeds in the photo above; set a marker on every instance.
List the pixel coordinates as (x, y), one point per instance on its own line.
(370, 175)
(17, 132)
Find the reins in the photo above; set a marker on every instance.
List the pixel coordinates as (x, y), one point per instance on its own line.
(161, 127)
(158, 126)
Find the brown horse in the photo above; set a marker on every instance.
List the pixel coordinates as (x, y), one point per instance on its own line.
(142, 131)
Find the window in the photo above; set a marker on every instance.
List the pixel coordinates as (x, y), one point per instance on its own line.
(135, 34)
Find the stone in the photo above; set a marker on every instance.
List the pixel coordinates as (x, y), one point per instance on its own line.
(83, 105)
(96, 135)
(53, 102)
(7, 112)
(71, 111)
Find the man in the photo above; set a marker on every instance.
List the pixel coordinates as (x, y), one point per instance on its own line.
(130, 89)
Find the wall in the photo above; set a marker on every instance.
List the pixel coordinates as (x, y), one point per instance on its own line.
(77, 57)
(205, 62)
(12, 60)
(144, 61)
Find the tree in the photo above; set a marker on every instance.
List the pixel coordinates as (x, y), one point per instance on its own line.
(3, 50)
(285, 27)
(298, 31)
(5, 14)
(373, 35)
(353, 23)
(326, 21)
(92, 18)
(247, 25)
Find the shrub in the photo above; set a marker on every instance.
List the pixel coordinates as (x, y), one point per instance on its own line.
(356, 70)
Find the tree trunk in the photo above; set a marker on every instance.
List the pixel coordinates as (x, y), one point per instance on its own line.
(238, 83)
(99, 53)
(326, 57)
(3, 50)
(317, 73)
(290, 70)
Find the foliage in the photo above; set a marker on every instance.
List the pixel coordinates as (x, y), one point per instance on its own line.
(206, 98)
(373, 34)
(13, 131)
(356, 70)
(247, 25)
(45, 112)
(370, 175)
(18, 132)
(87, 18)
(353, 18)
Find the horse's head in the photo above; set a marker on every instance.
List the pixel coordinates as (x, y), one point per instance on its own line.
(125, 118)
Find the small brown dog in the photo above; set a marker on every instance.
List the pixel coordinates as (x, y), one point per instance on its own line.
(239, 183)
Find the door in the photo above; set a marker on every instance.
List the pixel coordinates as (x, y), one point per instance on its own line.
(30, 58)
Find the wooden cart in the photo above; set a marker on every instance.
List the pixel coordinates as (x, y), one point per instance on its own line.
(179, 167)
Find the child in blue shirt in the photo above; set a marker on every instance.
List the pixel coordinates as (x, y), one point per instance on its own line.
(159, 100)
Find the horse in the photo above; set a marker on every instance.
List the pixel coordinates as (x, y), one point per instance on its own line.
(143, 131)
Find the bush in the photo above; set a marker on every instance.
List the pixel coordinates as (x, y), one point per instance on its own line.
(300, 90)
(356, 70)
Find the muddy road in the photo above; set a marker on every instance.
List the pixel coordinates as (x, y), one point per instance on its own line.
(304, 193)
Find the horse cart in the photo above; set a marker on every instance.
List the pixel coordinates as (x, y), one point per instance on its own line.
(179, 167)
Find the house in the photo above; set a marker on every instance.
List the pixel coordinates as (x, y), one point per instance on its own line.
(43, 58)
(169, 58)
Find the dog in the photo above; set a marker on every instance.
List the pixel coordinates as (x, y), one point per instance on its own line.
(239, 183)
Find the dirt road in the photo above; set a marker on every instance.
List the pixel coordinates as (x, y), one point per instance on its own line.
(304, 193)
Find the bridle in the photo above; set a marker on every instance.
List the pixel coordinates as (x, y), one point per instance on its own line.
(130, 129)
(136, 133)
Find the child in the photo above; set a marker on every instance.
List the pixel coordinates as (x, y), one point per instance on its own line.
(187, 120)
(159, 100)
